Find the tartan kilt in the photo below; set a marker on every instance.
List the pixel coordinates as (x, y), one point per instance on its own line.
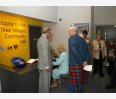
(77, 75)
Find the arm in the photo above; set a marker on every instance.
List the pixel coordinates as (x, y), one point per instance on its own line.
(94, 48)
(44, 48)
(105, 49)
(87, 53)
(59, 60)
(72, 48)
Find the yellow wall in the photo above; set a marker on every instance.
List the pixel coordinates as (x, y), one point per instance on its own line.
(14, 37)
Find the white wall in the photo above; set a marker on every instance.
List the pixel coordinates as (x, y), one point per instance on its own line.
(69, 15)
(47, 13)
(104, 15)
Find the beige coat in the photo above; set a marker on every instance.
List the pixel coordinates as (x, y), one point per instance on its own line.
(95, 49)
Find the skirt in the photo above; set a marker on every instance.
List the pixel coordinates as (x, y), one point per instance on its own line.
(77, 75)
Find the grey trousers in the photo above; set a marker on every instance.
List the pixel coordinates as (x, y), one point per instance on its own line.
(44, 81)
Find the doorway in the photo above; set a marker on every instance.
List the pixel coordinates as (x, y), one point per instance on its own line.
(34, 34)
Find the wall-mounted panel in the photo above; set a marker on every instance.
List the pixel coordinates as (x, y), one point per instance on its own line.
(14, 37)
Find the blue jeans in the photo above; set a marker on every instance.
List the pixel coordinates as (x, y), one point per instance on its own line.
(79, 87)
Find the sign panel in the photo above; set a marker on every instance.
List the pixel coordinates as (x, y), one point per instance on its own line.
(13, 38)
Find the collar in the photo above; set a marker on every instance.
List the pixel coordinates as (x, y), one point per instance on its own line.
(44, 35)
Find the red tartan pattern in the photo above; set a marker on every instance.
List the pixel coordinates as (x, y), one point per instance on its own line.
(77, 75)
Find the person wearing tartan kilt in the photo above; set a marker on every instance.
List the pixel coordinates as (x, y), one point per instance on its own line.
(79, 56)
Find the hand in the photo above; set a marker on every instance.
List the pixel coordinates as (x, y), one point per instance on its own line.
(84, 64)
(48, 69)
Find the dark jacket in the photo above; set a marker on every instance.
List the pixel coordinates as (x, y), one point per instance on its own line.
(111, 58)
(78, 50)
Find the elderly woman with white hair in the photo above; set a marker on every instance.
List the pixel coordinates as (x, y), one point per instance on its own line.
(62, 61)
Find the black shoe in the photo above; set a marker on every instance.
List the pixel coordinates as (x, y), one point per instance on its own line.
(110, 86)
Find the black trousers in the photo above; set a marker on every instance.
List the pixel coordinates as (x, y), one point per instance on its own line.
(98, 66)
(110, 67)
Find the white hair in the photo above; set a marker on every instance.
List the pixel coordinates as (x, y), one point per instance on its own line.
(72, 28)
